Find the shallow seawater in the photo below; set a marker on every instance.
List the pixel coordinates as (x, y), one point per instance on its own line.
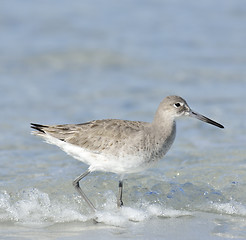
(75, 62)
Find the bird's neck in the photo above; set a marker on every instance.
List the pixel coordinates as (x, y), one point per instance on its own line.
(162, 133)
(163, 125)
(162, 120)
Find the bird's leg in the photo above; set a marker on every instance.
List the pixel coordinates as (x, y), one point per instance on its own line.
(119, 200)
(77, 187)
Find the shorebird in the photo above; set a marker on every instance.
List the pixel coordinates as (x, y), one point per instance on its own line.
(120, 146)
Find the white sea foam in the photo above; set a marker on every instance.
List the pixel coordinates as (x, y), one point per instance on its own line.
(122, 217)
(232, 207)
(35, 207)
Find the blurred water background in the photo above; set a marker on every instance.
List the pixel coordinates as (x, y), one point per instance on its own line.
(75, 61)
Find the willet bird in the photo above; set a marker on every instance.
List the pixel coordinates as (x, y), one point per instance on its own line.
(120, 146)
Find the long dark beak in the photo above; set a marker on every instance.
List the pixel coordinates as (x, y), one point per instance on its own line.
(204, 119)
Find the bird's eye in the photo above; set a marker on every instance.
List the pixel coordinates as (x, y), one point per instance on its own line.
(177, 105)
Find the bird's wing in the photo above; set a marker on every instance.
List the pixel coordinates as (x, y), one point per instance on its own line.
(96, 135)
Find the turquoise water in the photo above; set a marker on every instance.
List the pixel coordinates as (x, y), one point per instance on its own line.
(63, 62)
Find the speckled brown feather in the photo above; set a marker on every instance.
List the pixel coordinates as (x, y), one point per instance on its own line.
(96, 135)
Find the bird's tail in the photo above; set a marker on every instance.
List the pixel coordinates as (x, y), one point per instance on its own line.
(40, 128)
